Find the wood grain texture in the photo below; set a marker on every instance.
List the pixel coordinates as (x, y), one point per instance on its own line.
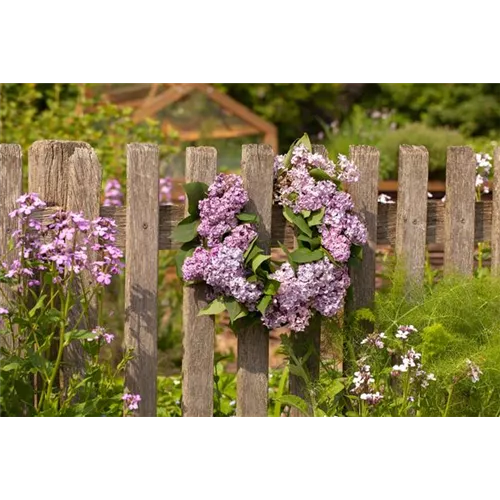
(141, 274)
(365, 197)
(199, 331)
(411, 218)
(459, 211)
(67, 174)
(11, 185)
(495, 222)
(253, 343)
(308, 340)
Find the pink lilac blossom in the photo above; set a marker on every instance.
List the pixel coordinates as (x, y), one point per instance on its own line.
(113, 194)
(64, 244)
(3, 311)
(132, 400)
(319, 286)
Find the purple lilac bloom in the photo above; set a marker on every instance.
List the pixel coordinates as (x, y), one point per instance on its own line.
(131, 400)
(319, 285)
(113, 195)
(241, 236)
(3, 311)
(226, 198)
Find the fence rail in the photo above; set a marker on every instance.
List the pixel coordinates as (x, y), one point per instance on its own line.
(67, 175)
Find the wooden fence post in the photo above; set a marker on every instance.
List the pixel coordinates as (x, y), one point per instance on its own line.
(459, 210)
(365, 197)
(67, 174)
(199, 331)
(11, 184)
(253, 342)
(141, 274)
(495, 222)
(309, 339)
(411, 219)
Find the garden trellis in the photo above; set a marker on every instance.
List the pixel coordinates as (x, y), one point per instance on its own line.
(67, 175)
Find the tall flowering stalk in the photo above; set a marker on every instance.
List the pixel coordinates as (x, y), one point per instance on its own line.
(56, 272)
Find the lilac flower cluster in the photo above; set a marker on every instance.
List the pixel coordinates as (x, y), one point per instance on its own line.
(226, 199)
(297, 189)
(64, 244)
(319, 286)
(221, 263)
(113, 194)
(132, 401)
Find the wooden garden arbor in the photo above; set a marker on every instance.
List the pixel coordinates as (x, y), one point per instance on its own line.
(211, 115)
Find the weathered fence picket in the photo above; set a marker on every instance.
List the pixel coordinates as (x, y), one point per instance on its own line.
(11, 184)
(67, 175)
(459, 210)
(411, 218)
(253, 342)
(141, 273)
(199, 331)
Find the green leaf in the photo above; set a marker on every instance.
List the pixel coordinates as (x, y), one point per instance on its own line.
(244, 217)
(215, 307)
(258, 261)
(304, 255)
(185, 251)
(305, 213)
(195, 192)
(186, 230)
(78, 335)
(297, 220)
(254, 252)
(320, 175)
(250, 248)
(314, 243)
(295, 402)
(37, 306)
(288, 255)
(317, 217)
(305, 141)
(11, 366)
(235, 309)
(271, 287)
(264, 303)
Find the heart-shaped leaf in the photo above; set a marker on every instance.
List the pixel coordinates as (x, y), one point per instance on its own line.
(195, 192)
(187, 229)
(304, 255)
(215, 307)
(244, 217)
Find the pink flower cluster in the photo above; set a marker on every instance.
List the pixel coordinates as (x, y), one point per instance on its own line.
(132, 401)
(220, 263)
(101, 333)
(67, 243)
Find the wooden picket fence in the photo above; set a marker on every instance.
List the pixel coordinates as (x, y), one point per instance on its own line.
(67, 175)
